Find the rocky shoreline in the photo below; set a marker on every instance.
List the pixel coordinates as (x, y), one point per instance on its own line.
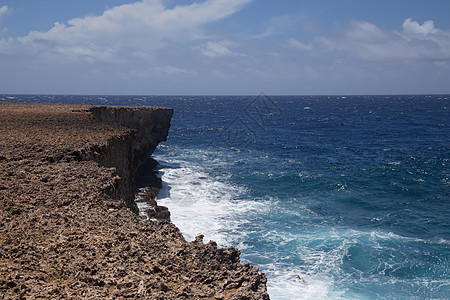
(68, 222)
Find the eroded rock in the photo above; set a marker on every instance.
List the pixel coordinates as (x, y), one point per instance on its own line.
(66, 227)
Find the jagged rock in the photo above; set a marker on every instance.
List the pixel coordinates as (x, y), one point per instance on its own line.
(66, 227)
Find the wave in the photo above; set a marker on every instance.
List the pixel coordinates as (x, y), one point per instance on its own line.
(343, 263)
(303, 254)
(201, 203)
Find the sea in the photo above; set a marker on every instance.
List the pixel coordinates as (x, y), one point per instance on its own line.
(332, 197)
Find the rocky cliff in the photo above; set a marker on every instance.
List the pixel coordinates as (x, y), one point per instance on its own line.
(66, 227)
(149, 125)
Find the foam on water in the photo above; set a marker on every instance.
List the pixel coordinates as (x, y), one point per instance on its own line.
(287, 284)
(201, 203)
(316, 262)
(332, 260)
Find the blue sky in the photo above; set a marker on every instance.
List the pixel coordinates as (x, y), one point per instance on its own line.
(153, 47)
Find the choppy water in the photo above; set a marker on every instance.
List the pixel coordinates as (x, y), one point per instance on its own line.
(332, 197)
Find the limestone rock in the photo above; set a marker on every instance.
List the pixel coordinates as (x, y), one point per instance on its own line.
(66, 227)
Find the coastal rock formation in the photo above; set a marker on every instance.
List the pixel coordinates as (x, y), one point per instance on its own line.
(68, 225)
(150, 126)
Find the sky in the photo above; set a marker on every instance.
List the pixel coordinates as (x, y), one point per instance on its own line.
(225, 47)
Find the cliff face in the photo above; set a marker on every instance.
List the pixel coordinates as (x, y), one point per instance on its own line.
(150, 123)
(66, 172)
(150, 126)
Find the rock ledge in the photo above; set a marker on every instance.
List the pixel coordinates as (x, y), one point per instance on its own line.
(66, 227)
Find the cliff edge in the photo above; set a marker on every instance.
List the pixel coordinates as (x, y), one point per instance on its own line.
(68, 227)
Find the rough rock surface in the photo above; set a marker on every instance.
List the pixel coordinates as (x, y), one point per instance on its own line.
(66, 230)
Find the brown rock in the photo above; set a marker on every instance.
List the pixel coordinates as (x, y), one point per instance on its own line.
(66, 227)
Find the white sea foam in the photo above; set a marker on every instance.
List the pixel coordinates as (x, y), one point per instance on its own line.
(322, 253)
(200, 203)
(313, 279)
(289, 284)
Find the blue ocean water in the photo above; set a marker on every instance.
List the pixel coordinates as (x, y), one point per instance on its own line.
(332, 197)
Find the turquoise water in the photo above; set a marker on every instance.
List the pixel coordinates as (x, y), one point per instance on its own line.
(332, 197)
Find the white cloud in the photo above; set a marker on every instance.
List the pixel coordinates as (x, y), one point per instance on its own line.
(217, 49)
(415, 30)
(212, 49)
(172, 70)
(414, 42)
(3, 10)
(299, 45)
(123, 31)
(282, 24)
(365, 32)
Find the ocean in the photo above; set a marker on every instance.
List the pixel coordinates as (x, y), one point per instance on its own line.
(333, 197)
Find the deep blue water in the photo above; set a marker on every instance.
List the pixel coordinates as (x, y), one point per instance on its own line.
(332, 197)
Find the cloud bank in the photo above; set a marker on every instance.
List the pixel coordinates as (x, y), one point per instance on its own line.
(366, 40)
(146, 47)
(137, 29)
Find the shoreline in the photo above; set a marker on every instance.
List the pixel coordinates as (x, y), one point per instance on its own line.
(67, 226)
